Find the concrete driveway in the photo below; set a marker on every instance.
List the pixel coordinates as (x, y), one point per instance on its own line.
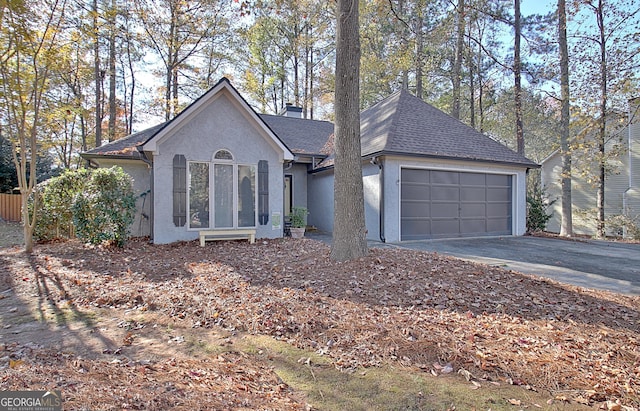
(592, 264)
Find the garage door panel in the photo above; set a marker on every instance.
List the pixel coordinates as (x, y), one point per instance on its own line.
(414, 209)
(440, 204)
(498, 180)
(415, 176)
(473, 210)
(473, 194)
(415, 191)
(443, 193)
(498, 226)
(473, 179)
(498, 209)
(499, 193)
(442, 227)
(473, 226)
(444, 210)
(414, 229)
(444, 177)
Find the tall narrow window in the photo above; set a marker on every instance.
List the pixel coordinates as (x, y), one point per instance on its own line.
(199, 195)
(263, 192)
(223, 195)
(179, 190)
(246, 196)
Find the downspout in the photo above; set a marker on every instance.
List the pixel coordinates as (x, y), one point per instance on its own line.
(377, 162)
(144, 158)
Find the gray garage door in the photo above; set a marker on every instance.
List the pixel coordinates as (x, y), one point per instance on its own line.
(441, 204)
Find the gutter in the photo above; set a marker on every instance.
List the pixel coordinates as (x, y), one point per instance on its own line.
(376, 161)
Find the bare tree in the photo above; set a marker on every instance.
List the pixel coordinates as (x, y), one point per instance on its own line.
(349, 230)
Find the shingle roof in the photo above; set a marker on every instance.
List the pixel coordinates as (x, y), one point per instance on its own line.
(302, 136)
(404, 124)
(126, 147)
(400, 124)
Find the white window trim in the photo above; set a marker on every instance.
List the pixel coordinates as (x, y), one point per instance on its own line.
(211, 194)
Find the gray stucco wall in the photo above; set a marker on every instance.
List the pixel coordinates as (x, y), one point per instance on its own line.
(222, 124)
(320, 200)
(371, 187)
(299, 176)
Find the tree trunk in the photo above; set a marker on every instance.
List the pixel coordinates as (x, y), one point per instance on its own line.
(603, 120)
(517, 74)
(457, 64)
(174, 98)
(472, 85)
(349, 230)
(566, 225)
(98, 74)
(112, 72)
(419, 55)
(480, 91)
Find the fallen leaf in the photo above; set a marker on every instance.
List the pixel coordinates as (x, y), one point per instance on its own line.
(15, 363)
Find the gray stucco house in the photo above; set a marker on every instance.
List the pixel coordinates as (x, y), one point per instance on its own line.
(221, 165)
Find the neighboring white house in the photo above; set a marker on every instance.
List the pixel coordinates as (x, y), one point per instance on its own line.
(622, 181)
(220, 165)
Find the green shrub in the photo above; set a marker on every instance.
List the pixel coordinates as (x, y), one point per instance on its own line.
(537, 205)
(298, 217)
(55, 216)
(105, 209)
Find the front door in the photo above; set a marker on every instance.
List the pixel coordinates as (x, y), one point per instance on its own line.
(288, 194)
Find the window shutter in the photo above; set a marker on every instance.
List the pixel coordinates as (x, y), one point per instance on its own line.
(179, 190)
(263, 192)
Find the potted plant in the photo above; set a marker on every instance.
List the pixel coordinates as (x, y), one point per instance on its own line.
(298, 221)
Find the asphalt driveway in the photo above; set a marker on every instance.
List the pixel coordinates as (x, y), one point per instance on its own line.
(592, 264)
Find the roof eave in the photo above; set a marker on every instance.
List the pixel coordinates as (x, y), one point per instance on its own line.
(445, 157)
(89, 157)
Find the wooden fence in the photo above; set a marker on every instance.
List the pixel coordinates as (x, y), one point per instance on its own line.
(10, 207)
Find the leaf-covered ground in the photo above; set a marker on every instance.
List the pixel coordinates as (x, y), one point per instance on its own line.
(421, 310)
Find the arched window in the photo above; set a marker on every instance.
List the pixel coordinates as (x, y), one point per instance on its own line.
(222, 193)
(223, 155)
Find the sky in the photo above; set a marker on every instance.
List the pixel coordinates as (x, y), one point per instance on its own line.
(528, 7)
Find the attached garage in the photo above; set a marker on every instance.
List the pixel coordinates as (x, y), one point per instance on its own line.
(445, 204)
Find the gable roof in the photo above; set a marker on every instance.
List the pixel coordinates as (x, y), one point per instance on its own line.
(131, 147)
(404, 124)
(222, 87)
